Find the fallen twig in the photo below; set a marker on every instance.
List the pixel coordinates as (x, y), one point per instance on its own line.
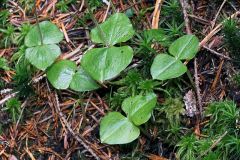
(217, 76)
(8, 97)
(214, 20)
(186, 20)
(4, 91)
(156, 14)
(216, 53)
(198, 90)
(216, 30)
(76, 136)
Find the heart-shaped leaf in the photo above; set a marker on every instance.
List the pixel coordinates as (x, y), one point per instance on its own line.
(139, 108)
(185, 47)
(106, 63)
(83, 82)
(116, 29)
(50, 34)
(166, 67)
(61, 74)
(117, 129)
(42, 56)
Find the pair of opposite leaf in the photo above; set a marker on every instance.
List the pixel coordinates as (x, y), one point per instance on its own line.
(167, 67)
(43, 51)
(99, 64)
(118, 129)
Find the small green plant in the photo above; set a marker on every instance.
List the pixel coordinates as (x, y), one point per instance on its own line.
(13, 108)
(4, 64)
(173, 29)
(164, 67)
(168, 118)
(62, 5)
(231, 145)
(4, 17)
(187, 148)
(8, 35)
(118, 129)
(167, 67)
(172, 19)
(95, 3)
(42, 52)
(110, 60)
(23, 31)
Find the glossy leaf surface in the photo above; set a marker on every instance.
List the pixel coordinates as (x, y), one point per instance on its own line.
(106, 63)
(83, 82)
(115, 29)
(139, 108)
(50, 34)
(42, 56)
(117, 129)
(166, 67)
(61, 74)
(185, 47)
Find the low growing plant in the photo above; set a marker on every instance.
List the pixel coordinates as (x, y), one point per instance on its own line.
(102, 64)
(167, 67)
(118, 129)
(4, 64)
(13, 108)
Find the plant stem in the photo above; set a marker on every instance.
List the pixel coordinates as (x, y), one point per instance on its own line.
(102, 34)
(36, 15)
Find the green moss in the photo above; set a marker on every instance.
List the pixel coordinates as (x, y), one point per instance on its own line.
(232, 39)
(223, 116)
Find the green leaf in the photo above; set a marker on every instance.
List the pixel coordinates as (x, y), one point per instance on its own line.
(106, 63)
(116, 29)
(50, 34)
(139, 108)
(185, 47)
(166, 67)
(83, 82)
(61, 74)
(117, 129)
(42, 56)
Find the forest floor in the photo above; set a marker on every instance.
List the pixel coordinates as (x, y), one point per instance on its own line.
(40, 122)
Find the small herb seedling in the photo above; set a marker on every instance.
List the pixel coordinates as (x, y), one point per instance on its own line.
(108, 62)
(42, 52)
(167, 67)
(118, 129)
